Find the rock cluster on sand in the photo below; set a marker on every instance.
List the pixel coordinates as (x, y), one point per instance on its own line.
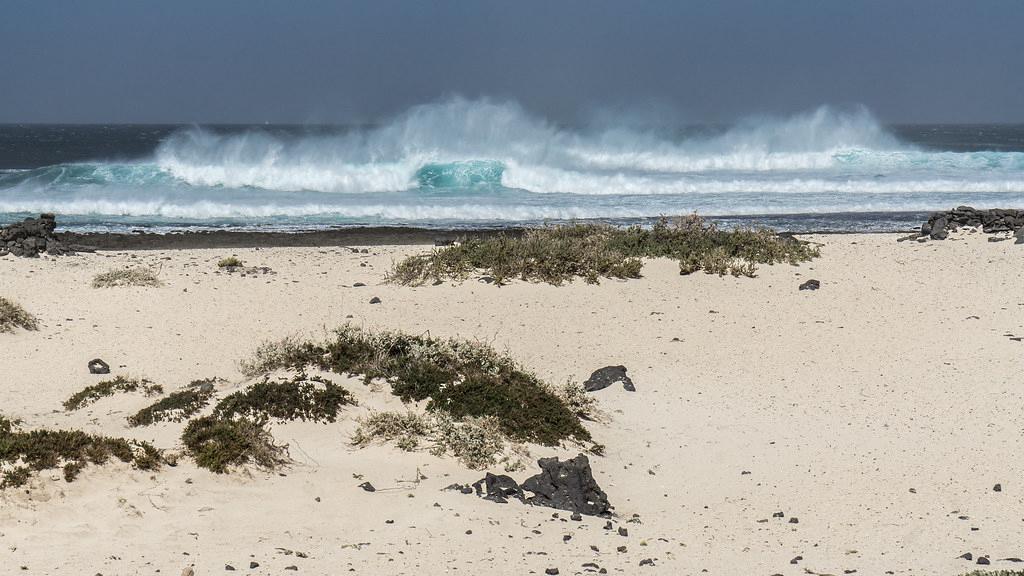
(995, 220)
(31, 237)
(565, 485)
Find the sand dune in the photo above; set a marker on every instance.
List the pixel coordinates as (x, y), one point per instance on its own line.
(878, 411)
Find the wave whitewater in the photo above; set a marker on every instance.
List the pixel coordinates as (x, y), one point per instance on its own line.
(478, 160)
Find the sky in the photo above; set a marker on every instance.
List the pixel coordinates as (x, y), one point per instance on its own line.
(675, 61)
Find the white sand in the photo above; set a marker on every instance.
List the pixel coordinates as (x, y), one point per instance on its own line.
(838, 402)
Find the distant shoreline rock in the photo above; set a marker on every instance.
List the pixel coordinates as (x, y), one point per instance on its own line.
(940, 224)
(33, 236)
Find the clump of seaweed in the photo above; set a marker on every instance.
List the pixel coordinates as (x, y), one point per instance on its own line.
(177, 406)
(557, 254)
(127, 277)
(12, 316)
(24, 452)
(458, 378)
(219, 443)
(92, 393)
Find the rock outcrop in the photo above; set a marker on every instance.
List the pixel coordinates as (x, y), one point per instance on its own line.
(562, 484)
(940, 224)
(31, 237)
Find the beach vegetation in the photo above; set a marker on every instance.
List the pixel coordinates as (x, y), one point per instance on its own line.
(230, 262)
(556, 254)
(299, 398)
(458, 378)
(24, 452)
(477, 442)
(12, 316)
(219, 443)
(127, 277)
(236, 432)
(94, 392)
(177, 406)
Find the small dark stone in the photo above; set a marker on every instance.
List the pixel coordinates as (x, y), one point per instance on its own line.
(966, 556)
(647, 562)
(374, 300)
(997, 488)
(97, 366)
(778, 515)
(253, 565)
(608, 525)
(983, 560)
(623, 531)
(810, 285)
(607, 376)
(794, 520)
(551, 571)
(576, 516)
(358, 285)
(229, 567)
(368, 487)
(796, 560)
(621, 549)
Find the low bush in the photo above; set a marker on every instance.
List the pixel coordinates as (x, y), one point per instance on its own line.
(218, 443)
(127, 277)
(92, 393)
(300, 398)
(177, 406)
(230, 262)
(24, 452)
(557, 254)
(14, 316)
(461, 379)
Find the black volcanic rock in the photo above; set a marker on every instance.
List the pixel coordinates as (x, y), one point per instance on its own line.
(990, 221)
(565, 485)
(607, 376)
(31, 237)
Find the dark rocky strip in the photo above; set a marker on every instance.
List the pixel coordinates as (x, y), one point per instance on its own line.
(374, 236)
(33, 236)
(940, 224)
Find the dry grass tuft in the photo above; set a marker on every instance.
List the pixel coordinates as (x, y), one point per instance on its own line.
(127, 277)
(12, 316)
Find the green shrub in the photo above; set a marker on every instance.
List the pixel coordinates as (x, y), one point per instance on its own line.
(92, 393)
(14, 316)
(462, 379)
(127, 277)
(560, 253)
(217, 444)
(229, 262)
(177, 406)
(22, 452)
(302, 397)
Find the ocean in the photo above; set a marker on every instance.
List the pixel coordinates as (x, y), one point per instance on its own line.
(475, 164)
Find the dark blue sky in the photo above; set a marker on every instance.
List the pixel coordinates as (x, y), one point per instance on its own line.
(319, 61)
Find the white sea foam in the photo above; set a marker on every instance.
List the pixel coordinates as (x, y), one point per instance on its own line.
(473, 160)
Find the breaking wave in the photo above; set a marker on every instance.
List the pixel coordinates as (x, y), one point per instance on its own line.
(484, 160)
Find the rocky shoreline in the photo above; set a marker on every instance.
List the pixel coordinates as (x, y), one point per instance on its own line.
(992, 221)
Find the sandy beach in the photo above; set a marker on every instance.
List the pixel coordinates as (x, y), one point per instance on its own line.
(877, 414)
